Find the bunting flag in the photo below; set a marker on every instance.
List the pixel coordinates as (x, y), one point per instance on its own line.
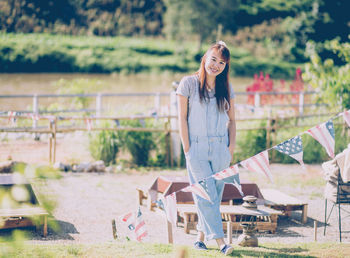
(237, 183)
(171, 208)
(129, 219)
(12, 116)
(324, 134)
(231, 171)
(88, 122)
(346, 116)
(199, 189)
(140, 228)
(34, 117)
(292, 147)
(259, 163)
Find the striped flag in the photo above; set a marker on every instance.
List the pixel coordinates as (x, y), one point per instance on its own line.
(34, 117)
(199, 189)
(259, 163)
(231, 171)
(292, 147)
(140, 228)
(171, 208)
(129, 219)
(346, 116)
(12, 116)
(324, 134)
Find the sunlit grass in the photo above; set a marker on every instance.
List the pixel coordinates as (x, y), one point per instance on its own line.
(133, 249)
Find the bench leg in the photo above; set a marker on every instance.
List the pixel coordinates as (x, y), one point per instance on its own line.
(304, 214)
(186, 223)
(229, 232)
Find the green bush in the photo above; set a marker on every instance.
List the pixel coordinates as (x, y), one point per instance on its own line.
(138, 143)
(104, 145)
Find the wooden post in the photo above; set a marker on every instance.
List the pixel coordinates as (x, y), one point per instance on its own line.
(170, 231)
(114, 228)
(54, 140)
(268, 130)
(257, 99)
(301, 103)
(98, 106)
(45, 226)
(157, 102)
(315, 230)
(50, 142)
(229, 232)
(35, 109)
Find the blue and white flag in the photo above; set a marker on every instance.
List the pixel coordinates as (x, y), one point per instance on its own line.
(292, 147)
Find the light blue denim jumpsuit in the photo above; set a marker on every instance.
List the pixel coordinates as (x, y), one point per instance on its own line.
(208, 154)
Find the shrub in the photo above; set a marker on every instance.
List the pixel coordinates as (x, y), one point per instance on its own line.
(104, 145)
(138, 143)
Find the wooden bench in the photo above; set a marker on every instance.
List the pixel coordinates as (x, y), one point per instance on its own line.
(24, 217)
(285, 203)
(264, 217)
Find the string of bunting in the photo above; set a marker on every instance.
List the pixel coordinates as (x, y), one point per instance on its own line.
(323, 133)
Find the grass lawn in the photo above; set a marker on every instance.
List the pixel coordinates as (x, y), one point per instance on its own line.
(132, 249)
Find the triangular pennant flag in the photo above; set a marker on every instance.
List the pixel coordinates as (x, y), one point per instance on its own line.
(231, 171)
(324, 134)
(346, 116)
(292, 147)
(129, 219)
(12, 116)
(171, 208)
(259, 163)
(199, 189)
(140, 228)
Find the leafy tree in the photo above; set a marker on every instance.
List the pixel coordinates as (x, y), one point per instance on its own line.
(334, 81)
(199, 17)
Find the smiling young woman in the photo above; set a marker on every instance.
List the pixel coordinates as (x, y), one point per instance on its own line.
(208, 134)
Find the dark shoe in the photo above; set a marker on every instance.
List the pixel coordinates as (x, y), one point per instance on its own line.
(199, 245)
(227, 250)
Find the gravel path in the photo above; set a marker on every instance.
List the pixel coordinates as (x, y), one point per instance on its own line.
(87, 202)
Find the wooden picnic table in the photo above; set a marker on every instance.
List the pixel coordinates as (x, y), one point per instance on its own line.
(280, 201)
(264, 217)
(22, 214)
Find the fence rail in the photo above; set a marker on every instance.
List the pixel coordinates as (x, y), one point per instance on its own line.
(53, 128)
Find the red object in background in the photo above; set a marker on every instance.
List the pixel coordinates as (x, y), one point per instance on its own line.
(297, 85)
(265, 84)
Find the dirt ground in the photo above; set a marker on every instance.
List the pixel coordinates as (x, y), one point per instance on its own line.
(87, 202)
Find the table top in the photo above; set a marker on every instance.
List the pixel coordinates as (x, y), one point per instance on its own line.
(169, 184)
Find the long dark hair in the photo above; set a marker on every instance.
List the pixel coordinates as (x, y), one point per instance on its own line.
(222, 91)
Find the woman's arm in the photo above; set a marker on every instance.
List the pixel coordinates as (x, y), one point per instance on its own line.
(232, 127)
(183, 125)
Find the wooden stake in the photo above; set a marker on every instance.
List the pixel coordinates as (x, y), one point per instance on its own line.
(114, 228)
(170, 231)
(315, 230)
(229, 232)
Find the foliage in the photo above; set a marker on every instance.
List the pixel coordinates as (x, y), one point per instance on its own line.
(22, 195)
(104, 145)
(52, 53)
(138, 143)
(199, 17)
(250, 142)
(77, 17)
(332, 81)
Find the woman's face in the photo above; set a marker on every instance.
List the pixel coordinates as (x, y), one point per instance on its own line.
(214, 64)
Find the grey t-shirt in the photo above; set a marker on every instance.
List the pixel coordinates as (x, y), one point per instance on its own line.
(187, 87)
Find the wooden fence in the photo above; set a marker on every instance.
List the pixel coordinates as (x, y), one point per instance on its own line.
(53, 128)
